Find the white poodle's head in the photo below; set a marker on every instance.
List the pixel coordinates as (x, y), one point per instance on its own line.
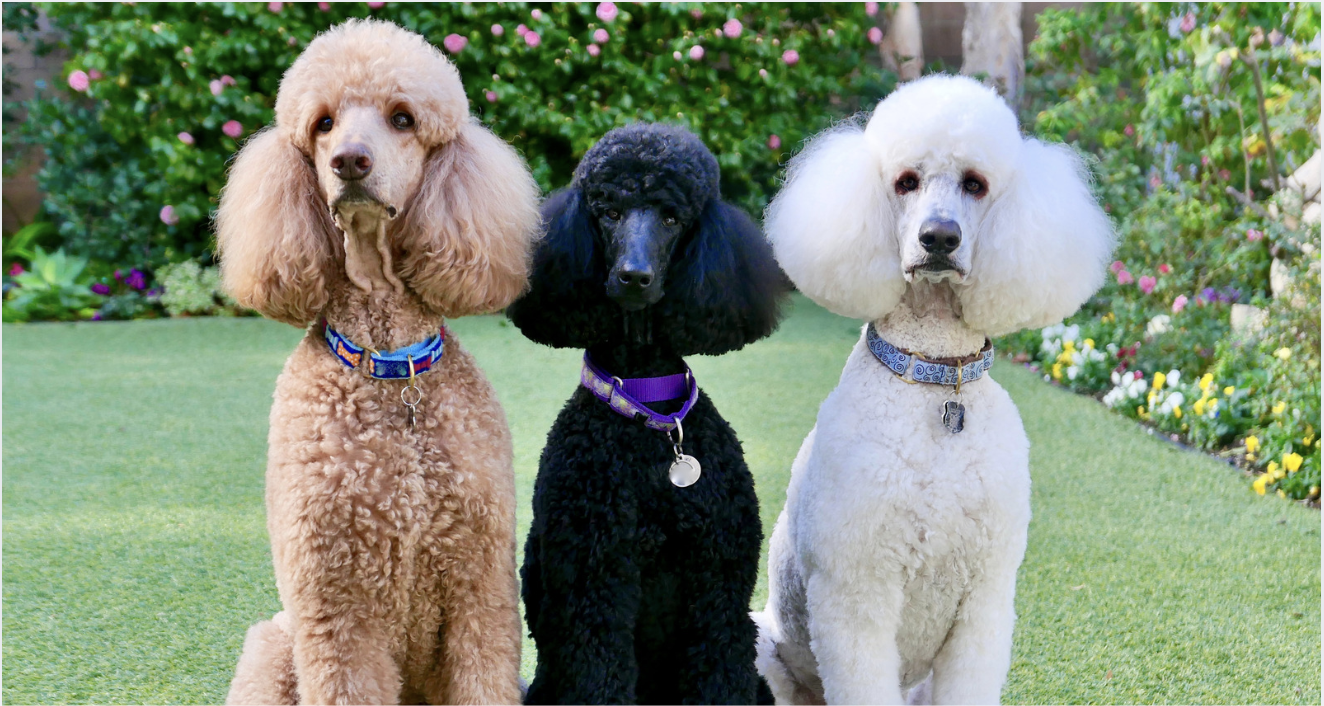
(940, 186)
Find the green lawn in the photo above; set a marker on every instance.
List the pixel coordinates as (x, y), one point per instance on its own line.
(135, 551)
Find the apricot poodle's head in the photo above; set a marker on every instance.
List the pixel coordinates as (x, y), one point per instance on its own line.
(373, 132)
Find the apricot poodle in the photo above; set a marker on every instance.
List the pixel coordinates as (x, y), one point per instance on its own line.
(374, 208)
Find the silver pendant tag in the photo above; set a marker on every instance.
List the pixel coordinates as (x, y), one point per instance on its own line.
(684, 471)
(953, 416)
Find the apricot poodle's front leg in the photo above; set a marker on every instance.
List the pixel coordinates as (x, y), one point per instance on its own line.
(480, 625)
(265, 674)
(343, 658)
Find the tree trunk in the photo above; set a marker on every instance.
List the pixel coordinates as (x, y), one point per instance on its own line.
(903, 45)
(992, 47)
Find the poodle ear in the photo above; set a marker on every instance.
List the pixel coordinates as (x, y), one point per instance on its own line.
(273, 232)
(724, 289)
(1042, 249)
(467, 233)
(832, 228)
(566, 305)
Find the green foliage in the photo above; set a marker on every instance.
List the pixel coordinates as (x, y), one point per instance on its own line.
(1165, 96)
(53, 289)
(191, 289)
(116, 158)
(23, 243)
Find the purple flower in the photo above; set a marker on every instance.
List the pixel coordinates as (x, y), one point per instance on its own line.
(136, 280)
(1254, 236)
(791, 57)
(233, 128)
(454, 43)
(774, 142)
(732, 28)
(100, 288)
(875, 35)
(185, 138)
(607, 11)
(871, 9)
(532, 39)
(1147, 283)
(491, 96)
(600, 36)
(16, 270)
(79, 81)
(498, 30)
(96, 316)
(168, 216)
(216, 87)
(696, 52)
(594, 50)
(1209, 294)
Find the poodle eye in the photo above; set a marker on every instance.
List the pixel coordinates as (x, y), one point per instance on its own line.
(907, 183)
(402, 120)
(974, 186)
(669, 221)
(324, 125)
(614, 215)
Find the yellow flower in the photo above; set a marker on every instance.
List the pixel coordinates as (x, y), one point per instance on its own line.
(1198, 407)
(1227, 391)
(1260, 483)
(1068, 346)
(1176, 411)
(1283, 353)
(1273, 466)
(1206, 380)
(1089, 343)
(1152, 397)
(1281, 494)
(1252, 444)
(1250, 457)
(1057, 371)
(1159, 379)
(1292, 462)
(1276, 473)
(1308, 440)
(1213, 405)
(1278, 408)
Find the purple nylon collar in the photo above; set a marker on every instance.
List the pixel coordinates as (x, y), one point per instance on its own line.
(627, 397)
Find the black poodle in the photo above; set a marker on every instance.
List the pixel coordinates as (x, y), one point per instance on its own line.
(636, 585)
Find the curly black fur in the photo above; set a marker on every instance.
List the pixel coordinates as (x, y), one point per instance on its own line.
(637, 591)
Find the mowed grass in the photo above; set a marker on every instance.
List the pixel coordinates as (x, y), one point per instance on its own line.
(136, 555)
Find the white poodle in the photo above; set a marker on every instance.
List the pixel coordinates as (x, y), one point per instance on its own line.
(895, 557)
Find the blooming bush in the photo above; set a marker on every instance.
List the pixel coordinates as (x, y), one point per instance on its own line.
(157, 97)
(190, 289)
(1190, 334)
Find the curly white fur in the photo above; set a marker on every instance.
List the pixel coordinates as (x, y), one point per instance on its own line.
(893, 565)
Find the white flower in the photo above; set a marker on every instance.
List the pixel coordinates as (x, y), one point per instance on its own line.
(1071, 333)
(1072, 372)
(1158, 325)
(1173, 377)
(1176, 399)
(1116, 377)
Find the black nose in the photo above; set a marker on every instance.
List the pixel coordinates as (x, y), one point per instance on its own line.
(352, 162)
(639, 277)
(940, 236)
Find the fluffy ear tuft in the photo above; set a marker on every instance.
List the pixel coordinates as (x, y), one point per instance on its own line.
(467, 233)
(1043, 247)
(724, 289)
(567, 305)
(273, 233)
(832, 228)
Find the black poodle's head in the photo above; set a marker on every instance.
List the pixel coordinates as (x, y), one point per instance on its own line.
(641, 241)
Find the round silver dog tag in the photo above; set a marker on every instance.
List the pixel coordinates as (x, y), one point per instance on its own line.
(684, 471)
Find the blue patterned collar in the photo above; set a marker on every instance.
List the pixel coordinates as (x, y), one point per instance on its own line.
(911, 367)
(400, 364)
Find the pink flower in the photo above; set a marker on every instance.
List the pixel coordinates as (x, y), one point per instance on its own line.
(875, 35)
(1124, 277)
(1147, 283)
(594, 50)
(376, 5)
(600, 36)
(185, 138)
(216, 87)
(1129, 130)
(1188, 23)
(454, 43)
(233, 128)
(1117, 266)
(1179, 303)
(227, 80)
(536, 14)
(93, 74)
(1204, 159)
(696, 13)
(1224, 175)
(498, 30)
(676, 55)
(763, 73)
(1254, 236)
(871, 9)
(696, 52)
(188, 50)
(16, 270)
(791, 57)
(607, 11)
(78, 81)
(732, 28)
(324, 6)
(1164, 269)
(1155, 182)
(491, 96)
(168, 216)
(521, 30)
(275, 6)
(532, 39)
(774, 142)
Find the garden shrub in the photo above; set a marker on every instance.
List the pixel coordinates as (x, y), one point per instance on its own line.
(193, 290)
(1165, 99)
(160, 96)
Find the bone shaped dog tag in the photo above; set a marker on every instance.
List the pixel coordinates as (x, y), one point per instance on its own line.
(953, 416)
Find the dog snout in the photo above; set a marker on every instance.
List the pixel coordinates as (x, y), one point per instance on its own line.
(940, 236)
(636, 276)
(352, 162)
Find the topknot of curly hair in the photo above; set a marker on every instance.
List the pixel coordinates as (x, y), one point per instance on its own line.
(651, 163)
